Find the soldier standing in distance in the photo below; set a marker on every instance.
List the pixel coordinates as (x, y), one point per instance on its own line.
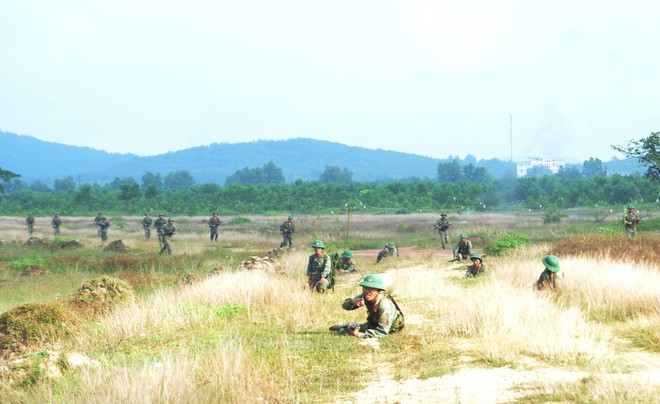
(159, 223)
(146, 225)
(630, 221)
(97, 221)
(103, 227)
(56, 223)
(214, 223)
(287, 229)
(442, 225)
(30, 223)
(167, 231)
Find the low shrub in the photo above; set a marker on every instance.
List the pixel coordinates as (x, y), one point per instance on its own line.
(34, 323)
(506, 242)
(101, 295)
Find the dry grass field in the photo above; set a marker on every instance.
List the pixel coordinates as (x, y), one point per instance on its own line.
(195, 328)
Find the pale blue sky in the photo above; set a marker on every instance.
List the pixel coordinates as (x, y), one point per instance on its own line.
(434, 78)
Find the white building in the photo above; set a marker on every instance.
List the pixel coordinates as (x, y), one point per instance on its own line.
(547, 162)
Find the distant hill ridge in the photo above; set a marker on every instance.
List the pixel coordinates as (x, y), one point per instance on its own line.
(299, 158)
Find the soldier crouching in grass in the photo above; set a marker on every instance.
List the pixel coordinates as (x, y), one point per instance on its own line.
(548, 278)
(319, 268)
(383, 314)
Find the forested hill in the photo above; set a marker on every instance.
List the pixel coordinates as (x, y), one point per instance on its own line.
(299, 158)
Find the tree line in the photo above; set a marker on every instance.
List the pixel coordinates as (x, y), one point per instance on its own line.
(257, 190)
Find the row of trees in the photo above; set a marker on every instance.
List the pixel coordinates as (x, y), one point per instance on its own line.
(312, 196)
(258, 190)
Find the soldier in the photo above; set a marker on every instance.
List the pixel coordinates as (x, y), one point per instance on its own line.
(146, 225)
(548, 277)
(159, 223)
(383, 314)
(97, 221)
(389, 250)
(103, 227)
(56, 223)
(214, 223)
(630, 221)
(167, 232)
(477, 268)
(319, 268)
(346, 262)
(30, 223)
(442, 225)
(287, 229)
(463, 249)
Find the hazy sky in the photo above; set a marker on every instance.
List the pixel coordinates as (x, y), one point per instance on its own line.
(434, 78)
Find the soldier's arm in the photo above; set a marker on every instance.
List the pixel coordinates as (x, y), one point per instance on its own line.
(350, 304)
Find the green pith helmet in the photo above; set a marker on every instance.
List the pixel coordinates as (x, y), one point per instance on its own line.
(631, 206)
(551, 262)
(443, 214)
(318, 244)
(103, 217)
(289, 218)
(373, 281)
(161, 214)
(476, 257)
(170, 220)
(347, 254)
(390, 245)
(29, 213)
(215, 213)
(463, 235)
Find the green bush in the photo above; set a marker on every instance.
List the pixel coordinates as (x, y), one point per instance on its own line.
(239, 220)
(505, 242)
(34, 323)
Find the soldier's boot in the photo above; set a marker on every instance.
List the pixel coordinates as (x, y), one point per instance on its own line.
(337, 327)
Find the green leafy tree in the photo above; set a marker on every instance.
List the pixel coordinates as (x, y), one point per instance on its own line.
(178, 180)
(593, 167)
(273, 174)
(129, 191)
(84, 197)
(449, 171)
(646, 151)
(150, 178)
(538, 171)
(65, 184)
(336, 174)
(476, 174)
(39, 186)
(6, 176)
(568, 171)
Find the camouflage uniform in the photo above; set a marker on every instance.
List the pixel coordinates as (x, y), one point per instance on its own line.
(97, 222)
(56, 223)
(146, 225)
(472, 270)
(30, 223)
(442, 225)
(159, 223)
(346, 265)
(319, 266)
(382, 317)
(389, 250)
(103, 227)
(548, 277)
(287, 229)
(167, 232)
(214, 223)
(630, 222)
(463, 249)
